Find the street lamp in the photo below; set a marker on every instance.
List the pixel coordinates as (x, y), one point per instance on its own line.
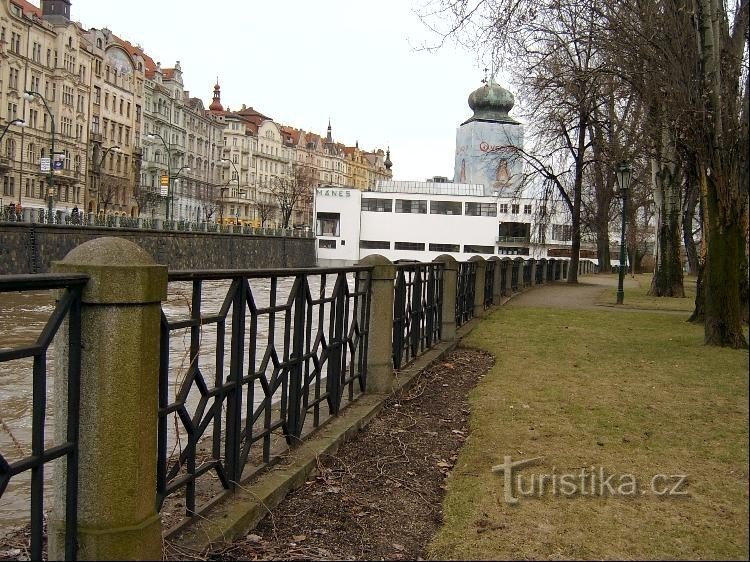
(19, 122)
(99, 170)
(176, 177)
(237, 174)
(153, 137)
(28, 95)
(624, 174)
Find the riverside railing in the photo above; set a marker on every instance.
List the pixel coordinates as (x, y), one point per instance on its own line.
(65, 446)
(293, 354)
(417, 310)
(248, 363)
(38, 216)
(465, 292)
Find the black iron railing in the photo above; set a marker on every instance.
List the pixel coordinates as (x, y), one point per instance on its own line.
(67, 308)
(504, 272)
(551, 270)
(489, 282)
(515, 274)
(297, 345)
(527, 267)
(465, 288)
(539, 275)
(417, 310)
(558, 270)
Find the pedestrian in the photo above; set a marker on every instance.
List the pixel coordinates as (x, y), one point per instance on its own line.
(76, 216)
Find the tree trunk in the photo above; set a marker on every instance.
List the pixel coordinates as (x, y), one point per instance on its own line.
(602, 250)
(688, 218)
(699, 312)
(724, 259)
(667, 280)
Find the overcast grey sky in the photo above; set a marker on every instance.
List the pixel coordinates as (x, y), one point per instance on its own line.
(302, 61)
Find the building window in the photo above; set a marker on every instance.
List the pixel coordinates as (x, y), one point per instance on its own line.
(411, 206)
(445, 248)
(328, 224)
(562, 232)
(515, 208)
(481, 209)
(411, 246)
(527, 209)
(377, 205)
(471, 249)
(329, 244)
(375, 244)
(503, 251)
(445, 207)
(503, 208)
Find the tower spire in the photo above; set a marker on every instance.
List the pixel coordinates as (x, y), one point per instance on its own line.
(216, 103)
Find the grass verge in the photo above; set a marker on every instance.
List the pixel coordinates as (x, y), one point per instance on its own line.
(633, 393)
(637, 297)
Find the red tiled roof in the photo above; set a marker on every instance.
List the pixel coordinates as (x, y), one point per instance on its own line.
(28, 7)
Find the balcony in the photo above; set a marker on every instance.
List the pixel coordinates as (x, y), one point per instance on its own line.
(513, 239)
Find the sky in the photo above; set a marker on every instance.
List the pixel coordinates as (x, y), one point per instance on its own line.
(302, 62)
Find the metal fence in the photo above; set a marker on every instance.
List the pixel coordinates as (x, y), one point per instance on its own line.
(465, 288)
(489, 282)
(539, 275)
(312, 356)
(417, 310)
(527, 267)
(515, 273)
(67, 309)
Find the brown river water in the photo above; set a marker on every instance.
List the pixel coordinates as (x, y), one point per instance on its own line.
(24, 315)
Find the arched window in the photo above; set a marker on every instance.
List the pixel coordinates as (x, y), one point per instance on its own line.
(99, 43)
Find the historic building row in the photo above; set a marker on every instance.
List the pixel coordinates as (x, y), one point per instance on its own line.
(128, 138)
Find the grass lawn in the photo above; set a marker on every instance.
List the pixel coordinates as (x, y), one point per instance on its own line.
(638, 297)
(635, 393)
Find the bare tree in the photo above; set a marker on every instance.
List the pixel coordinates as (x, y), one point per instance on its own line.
(265, 210)
(293, 191)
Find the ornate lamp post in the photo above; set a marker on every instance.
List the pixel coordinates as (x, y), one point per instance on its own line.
(624, 174)
(153, 137)
(19, 122)
(29, 96)
(99, 164)
(226, 162)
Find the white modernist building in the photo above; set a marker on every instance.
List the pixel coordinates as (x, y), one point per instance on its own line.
(484, 213)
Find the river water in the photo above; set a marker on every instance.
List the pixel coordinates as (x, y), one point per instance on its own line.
(24, 315)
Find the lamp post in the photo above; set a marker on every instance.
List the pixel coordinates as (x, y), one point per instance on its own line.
(99, 171)
(624, 174)
(176, 177)
(153, 137)
(237, 174)
(29, 96)
(19, 122)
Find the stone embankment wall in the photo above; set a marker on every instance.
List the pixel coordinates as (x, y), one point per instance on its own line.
(31, 248)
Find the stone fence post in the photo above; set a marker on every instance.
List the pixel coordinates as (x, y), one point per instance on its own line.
(380, 374)
(497, 290)
(479, 285)
(534, 265)
(508, 289)
(120, 324)
(450, 288)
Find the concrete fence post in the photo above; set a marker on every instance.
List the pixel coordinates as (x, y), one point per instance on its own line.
(479, 279)
(380, 374)
(497, 290)
(26, 215)
(158, 224)
(534, 265)
(120, 323)
(92, 219)
(450, 288)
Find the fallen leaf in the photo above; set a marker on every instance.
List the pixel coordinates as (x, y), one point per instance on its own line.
(299, 538)
(254, 538)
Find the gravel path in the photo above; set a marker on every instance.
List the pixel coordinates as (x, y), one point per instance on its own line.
(563, 295)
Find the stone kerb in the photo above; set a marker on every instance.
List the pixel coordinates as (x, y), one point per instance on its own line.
(479, 279)
(380, 373)
(450, 288)
(120, 320)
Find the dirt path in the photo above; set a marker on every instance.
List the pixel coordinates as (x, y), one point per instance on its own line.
(380, 496)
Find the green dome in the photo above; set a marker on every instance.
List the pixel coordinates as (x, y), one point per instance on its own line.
(491, 102)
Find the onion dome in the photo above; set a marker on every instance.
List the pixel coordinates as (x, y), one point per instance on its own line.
(491, 102)
(388, 164)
